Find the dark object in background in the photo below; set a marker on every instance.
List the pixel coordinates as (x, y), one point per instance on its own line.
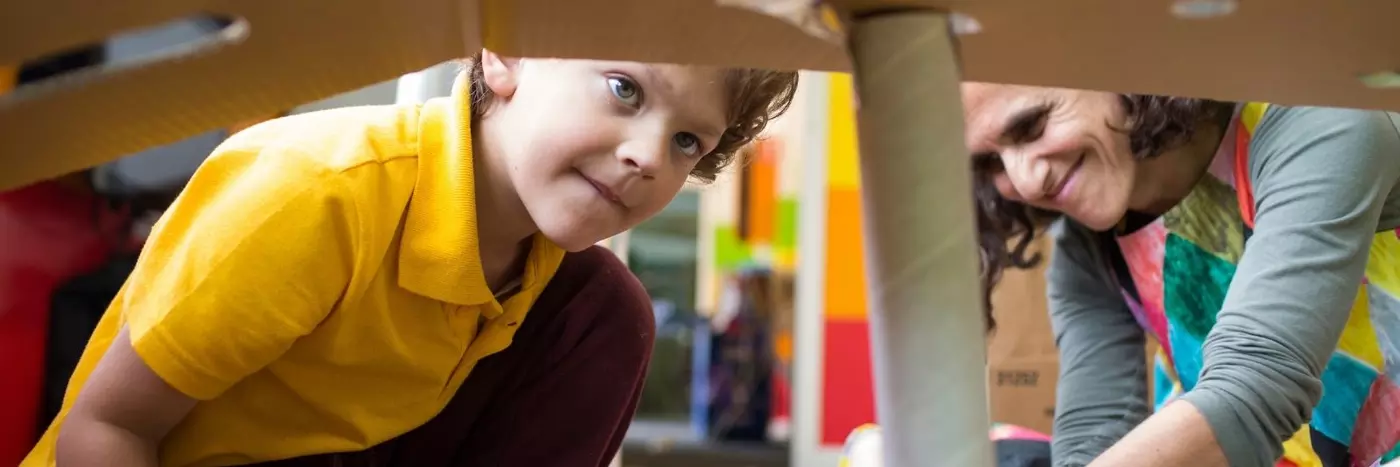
(741, 363)
(61, 63)
(75, 309)
(1022, 453)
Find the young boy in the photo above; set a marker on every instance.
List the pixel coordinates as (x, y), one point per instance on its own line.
(327, 282)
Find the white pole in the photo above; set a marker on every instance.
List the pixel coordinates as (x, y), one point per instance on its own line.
(810, 306)
(926, 325)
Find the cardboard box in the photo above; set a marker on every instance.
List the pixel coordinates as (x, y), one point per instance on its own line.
(1022, 392)
(1022, 361)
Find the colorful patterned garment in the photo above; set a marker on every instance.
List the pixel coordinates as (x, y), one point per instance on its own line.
(1181, 266)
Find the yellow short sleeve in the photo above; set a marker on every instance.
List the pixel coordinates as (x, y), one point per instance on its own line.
(253, 255)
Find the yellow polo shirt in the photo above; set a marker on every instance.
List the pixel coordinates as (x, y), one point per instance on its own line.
(317, 287)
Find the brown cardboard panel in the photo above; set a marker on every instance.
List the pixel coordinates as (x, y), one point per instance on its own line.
(1282, 51)
(671, 31)
(1023, 319)
(1022, 361)
(280, 54)
(1022, 392)
(291, 52)
(285, 53)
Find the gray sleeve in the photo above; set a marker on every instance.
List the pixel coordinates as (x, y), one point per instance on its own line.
(1321, 177)
(1102, 390)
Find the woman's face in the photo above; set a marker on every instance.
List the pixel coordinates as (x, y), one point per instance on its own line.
(1053, 148)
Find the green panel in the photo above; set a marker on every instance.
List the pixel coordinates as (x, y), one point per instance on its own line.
(1194, 282)
(787, 224)
(730, 251)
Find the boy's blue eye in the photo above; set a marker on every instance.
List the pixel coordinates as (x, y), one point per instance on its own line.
(625, 90)
(689, 144)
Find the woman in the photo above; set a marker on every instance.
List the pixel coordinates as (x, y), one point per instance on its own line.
(1257, 243)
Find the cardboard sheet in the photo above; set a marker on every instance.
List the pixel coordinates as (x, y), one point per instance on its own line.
(279, 54)
(1022, 362)
(1022, 392)
(282, 53)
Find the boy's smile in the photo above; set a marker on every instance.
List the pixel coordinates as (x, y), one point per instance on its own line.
(604, 191)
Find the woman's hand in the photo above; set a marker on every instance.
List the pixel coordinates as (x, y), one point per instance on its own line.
(122, 413)
(1176, 435)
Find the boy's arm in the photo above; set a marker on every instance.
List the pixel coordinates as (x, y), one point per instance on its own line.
(253, 255)
(125, 412)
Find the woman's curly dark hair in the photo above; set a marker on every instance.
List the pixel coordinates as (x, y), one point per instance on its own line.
(1006, 229)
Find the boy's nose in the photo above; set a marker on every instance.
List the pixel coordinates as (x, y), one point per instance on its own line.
(646, 156)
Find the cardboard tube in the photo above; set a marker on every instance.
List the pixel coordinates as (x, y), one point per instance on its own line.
(926, 320)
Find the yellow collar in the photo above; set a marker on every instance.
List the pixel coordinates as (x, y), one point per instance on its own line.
(439, 256)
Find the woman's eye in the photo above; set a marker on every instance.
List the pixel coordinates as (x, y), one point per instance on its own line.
(1030, 125)
(1039, 129)
(625, 90)
(987, 162)
(689, 144)
(1036, 129)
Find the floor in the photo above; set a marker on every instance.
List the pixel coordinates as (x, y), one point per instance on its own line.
(674, 444)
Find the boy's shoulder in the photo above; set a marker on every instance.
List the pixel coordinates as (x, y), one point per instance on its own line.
(605, 291)
(336, 139)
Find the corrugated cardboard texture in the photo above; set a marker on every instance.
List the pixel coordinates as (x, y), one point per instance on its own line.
(280, 53)
(1023, 320)
(1022, 362)
(291, 52)
(283, 53)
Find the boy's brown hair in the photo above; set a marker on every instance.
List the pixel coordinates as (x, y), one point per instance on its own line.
(756, 97)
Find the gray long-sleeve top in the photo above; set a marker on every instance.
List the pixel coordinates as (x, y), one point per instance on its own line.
(1325, 180)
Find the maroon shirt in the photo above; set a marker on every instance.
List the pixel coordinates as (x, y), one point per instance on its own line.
(562, 394)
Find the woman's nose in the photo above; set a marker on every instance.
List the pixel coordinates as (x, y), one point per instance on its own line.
(1028, 175)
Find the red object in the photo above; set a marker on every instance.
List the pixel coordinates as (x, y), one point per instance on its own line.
(1244, 190)
(49, 232)
(849, 397)
(781, 400)
(1378, 425)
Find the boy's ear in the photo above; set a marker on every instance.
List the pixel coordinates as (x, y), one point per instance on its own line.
(501, 74)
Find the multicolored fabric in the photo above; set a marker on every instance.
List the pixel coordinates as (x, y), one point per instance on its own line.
(1181, 266)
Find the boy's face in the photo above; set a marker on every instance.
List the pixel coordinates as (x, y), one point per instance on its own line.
(593, 148)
